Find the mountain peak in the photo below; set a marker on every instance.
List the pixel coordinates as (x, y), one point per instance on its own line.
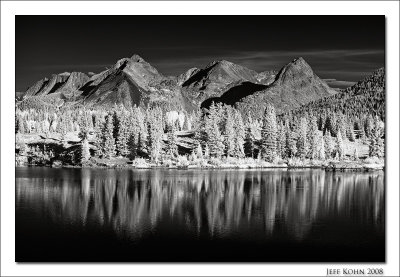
(137, 58)
(299, 63)
(296, 70)
(219, 63)
(299, 60)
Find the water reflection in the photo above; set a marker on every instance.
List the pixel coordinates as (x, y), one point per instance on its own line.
(212, 203)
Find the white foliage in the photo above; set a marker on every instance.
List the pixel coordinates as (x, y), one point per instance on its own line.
(174, 116)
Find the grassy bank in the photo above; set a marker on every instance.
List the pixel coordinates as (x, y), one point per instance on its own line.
(183, 162)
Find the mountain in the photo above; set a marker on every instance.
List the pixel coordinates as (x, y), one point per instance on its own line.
(47, 86)
(294, 85)
(74, 82)
(63, 83)
(133, 81)
(213, 80)
(187, 75)
(365, 97)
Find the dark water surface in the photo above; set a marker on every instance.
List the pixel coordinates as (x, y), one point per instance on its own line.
(199, 215)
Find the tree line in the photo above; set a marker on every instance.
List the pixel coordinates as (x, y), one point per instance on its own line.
(218, 132)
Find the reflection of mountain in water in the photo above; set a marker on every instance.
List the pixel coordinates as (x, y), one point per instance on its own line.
(215, 203)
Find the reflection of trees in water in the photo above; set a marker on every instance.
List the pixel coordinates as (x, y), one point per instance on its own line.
(135, 202)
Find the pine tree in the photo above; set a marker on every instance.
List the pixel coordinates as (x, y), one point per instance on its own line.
(116, 122)
(250, 138)
(313, 138)
(239, 135)
(229, 140)
(376, 142)
(200, 134)
(327, 125)
(355, 154)
(281, 141)
(84, 131)
(206, 152)
(171, 145)
(186, 123)
(329, 146)
(98, 139)
(142, 135)
(199, 152)
(123, 135)
(342, 126)
(20, 126)
(213, 136)
(339, 146)
(132, 146)
(155, 131)
(85, 151)
(320, 153)
(108, 137)
(215, 141)
(369, 126)
(291, 148)
(268, 134)
(302, 142)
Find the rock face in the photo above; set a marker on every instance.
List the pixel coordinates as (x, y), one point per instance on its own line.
(187, 75)
(74, 82)
(266, 77)
(47, 86)
(64, 84)
(133, 81)
(36, 88)
(295, 85)
(213, 80)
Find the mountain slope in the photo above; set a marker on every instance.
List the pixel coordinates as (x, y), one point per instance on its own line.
(214, 78)
(47, 86)
(62, 84)
(266, 77)
(295, 85)
(74, 82)
(365, 97)
(132, 81)
(181, 79)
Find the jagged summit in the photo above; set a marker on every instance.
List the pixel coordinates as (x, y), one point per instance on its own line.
(215, 78)
(65, 73)
(182, 78)
(137, 58)
(132, 80)
(220, 63)
(299, 60)
(295, 70)
(295, 84)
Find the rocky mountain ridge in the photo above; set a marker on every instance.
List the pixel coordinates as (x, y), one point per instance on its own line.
(133, 81)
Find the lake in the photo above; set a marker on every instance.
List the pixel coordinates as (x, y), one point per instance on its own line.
(160, 215)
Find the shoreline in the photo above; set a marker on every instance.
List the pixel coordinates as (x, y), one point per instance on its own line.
(332, 166)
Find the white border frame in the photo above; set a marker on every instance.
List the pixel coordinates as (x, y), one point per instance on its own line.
(10, 9)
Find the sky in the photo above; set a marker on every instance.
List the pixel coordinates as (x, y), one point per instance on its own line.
(340, 49)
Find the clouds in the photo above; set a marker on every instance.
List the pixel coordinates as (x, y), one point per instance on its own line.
(333, 83)
(340, 68)
(347, 65)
